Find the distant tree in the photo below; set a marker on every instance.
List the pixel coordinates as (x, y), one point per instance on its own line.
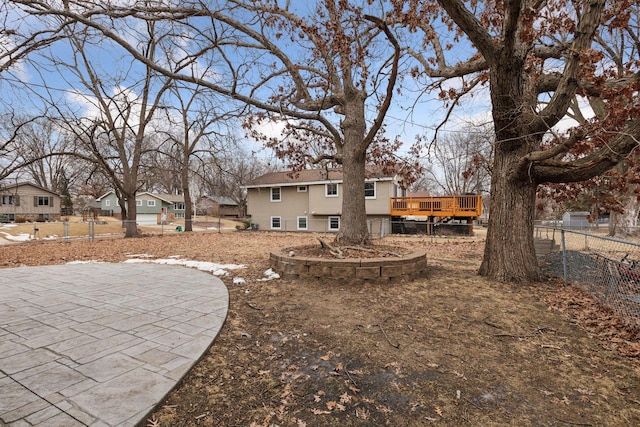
(198, 125)
(118, 105)
(42, 141)
(224, 175)
(15, 137)
(459, 163)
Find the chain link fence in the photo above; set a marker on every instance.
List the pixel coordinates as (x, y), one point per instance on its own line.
(87, 230)
(606, 267)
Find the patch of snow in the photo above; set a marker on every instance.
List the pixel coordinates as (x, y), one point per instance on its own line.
(210, 267)
(269, 275)
(22, 237)
(9, 225)
(85, 262)
(140, 256)
(238, 281)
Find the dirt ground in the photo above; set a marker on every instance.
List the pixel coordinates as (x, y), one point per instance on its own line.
(449, 349)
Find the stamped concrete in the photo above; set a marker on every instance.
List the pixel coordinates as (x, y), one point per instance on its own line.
(100, 344)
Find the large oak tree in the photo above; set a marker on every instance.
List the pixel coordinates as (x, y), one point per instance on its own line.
(535, 57)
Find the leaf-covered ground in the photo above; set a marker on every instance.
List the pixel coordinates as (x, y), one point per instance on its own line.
(451, 348)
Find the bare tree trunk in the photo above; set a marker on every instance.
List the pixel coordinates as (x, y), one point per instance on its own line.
(509, 251)
(186, 192)
(130, 226)
(353, 227)
(624, 224)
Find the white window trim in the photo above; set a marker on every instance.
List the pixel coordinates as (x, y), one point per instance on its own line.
(375, 190)
(138, 202)
(271, 194)
(107, 203)
(329, 223)
(271, 223)
(326, 190)
(302, 188)
(306, 223)
(151, 203)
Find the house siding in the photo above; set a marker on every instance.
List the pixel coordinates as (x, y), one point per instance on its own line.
(25, 203)
(144, 210)
(315, 206)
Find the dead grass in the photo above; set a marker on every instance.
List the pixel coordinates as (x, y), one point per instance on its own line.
(449, 349)
(106, 226)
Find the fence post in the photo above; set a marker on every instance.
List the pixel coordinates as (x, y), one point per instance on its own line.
(65, 230)
(564, 257)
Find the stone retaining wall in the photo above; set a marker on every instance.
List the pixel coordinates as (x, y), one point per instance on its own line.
(409, 266)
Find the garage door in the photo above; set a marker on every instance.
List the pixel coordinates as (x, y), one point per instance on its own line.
(147, 219)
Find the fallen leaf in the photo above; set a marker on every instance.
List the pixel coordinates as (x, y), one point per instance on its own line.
(438, 410)
(331, 405)
(362, 413)
(345, 398)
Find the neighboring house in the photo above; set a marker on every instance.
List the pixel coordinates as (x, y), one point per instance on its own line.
(150, 208)
(311, 200)
(26, 201)
(219, 206)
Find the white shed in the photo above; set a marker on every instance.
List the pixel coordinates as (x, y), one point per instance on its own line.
(576, 220)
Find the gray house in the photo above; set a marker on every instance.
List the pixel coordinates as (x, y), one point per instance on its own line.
(150, 208)
(30, 202)
(311, 200)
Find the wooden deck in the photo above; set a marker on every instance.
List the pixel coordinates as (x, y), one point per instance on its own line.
(445, 206)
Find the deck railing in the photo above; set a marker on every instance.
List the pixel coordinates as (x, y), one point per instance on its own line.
(439, 206)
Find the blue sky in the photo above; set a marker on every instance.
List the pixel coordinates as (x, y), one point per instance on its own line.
(407, 118)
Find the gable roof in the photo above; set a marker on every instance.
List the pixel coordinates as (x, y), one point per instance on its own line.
(310, 176)
(221, 200)
(169, 198)
(22, 184)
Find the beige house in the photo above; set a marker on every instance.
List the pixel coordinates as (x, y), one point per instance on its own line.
(30, 202)
(311, 200)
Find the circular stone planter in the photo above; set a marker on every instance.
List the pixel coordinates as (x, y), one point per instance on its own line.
(409, 266)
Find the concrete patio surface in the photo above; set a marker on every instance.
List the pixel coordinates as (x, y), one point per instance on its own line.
(100, 344)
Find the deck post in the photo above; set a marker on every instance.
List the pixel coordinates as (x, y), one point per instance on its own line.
(470, 224)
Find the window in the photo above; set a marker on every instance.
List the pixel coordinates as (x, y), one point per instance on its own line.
(151, 203)
(302, 188)
(179, 214)
(138, 202)
(276, 223)
(275, 194)
(302, 223)
(43, 201)
(369, 190)
(331, 190)
(179, 206)
(107, 203)
(334, 223)
(8, 199)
